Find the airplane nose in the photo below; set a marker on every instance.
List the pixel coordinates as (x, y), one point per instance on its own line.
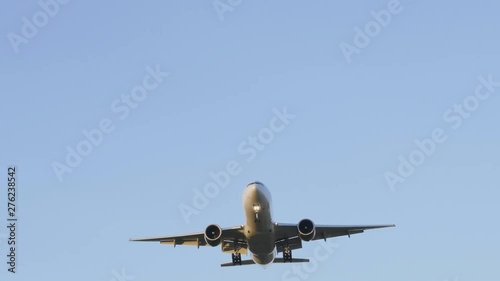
(252, 188)
(255, 187)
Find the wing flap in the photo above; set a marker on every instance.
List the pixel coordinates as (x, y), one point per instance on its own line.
(293, 243)
(195, 239)
(329, 231)
(286, 232)
(230, 247)
(184, 242)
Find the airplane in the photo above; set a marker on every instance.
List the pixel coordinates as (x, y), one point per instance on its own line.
(260, 234)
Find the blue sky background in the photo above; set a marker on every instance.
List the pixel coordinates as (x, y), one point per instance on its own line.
(353, 120)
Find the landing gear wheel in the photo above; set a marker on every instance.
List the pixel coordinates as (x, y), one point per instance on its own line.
(287, 255)
(236, 258)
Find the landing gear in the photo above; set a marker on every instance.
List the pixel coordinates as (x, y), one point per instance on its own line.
(236, 258)
(287, 255)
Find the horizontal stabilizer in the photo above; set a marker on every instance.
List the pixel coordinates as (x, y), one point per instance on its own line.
(245, 262)
(277, 260)
(281, 260)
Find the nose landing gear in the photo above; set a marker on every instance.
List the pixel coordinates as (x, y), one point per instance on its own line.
(256, 217)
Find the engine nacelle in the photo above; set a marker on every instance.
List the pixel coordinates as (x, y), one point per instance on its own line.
(213, 235)
(306, 229)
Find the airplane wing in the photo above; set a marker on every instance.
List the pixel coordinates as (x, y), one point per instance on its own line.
(232, 235)
(288, 233)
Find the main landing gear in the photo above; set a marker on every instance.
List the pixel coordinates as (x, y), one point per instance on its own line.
(236, 258)
(287, 254)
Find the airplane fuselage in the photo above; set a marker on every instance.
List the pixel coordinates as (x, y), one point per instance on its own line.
(259, 226)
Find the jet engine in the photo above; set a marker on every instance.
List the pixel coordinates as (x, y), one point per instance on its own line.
(213, 235)
(306, 229)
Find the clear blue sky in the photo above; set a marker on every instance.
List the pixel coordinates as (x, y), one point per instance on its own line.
(354, 117)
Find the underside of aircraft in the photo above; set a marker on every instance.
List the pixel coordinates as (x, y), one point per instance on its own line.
(260, 236)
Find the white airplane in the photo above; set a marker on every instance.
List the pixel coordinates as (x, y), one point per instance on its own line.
(260, 235)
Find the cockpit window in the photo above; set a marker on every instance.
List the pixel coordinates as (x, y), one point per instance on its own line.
(255, 182)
